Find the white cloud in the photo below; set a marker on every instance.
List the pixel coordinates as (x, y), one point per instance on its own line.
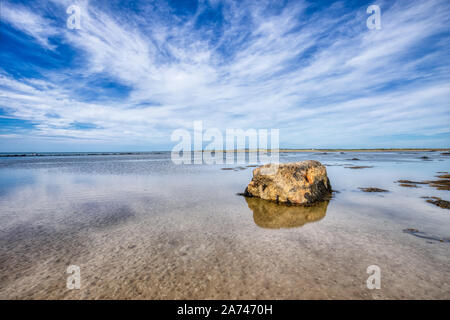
(29, 22)
(323, 77)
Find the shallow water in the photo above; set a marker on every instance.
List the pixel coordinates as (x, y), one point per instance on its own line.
(139, 226)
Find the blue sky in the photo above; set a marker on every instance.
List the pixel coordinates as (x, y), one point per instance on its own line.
(138, 70)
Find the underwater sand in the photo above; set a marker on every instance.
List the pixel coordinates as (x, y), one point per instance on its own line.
(140, 227)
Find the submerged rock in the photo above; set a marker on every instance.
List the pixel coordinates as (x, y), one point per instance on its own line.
(359, 167)
(444, 204)
(296, 183)
(410, 182)
(440, 203)
(442, 184)
(373, 190)
(234, 169)
(424, 235)
(408, 185)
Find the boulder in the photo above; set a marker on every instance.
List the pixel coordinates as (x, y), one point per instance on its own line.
(303, 182)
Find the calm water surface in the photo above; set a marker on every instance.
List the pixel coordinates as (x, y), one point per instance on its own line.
(140, 226)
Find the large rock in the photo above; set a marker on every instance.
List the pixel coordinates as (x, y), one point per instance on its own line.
(296, 183)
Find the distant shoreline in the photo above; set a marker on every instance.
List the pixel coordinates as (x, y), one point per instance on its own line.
(61, 154)
(367, 150)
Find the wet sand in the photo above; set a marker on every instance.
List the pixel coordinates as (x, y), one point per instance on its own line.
(140, 227)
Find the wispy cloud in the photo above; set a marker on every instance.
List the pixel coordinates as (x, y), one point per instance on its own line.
(316, 73)
(25, 20)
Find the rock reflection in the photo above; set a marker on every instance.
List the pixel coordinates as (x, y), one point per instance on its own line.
(267, 214)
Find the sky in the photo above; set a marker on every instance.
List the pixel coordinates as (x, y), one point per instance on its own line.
(136, 71)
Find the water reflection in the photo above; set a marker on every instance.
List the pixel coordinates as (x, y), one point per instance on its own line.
(267, 214)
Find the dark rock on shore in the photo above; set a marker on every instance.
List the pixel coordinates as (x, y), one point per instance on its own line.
(303, 182)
